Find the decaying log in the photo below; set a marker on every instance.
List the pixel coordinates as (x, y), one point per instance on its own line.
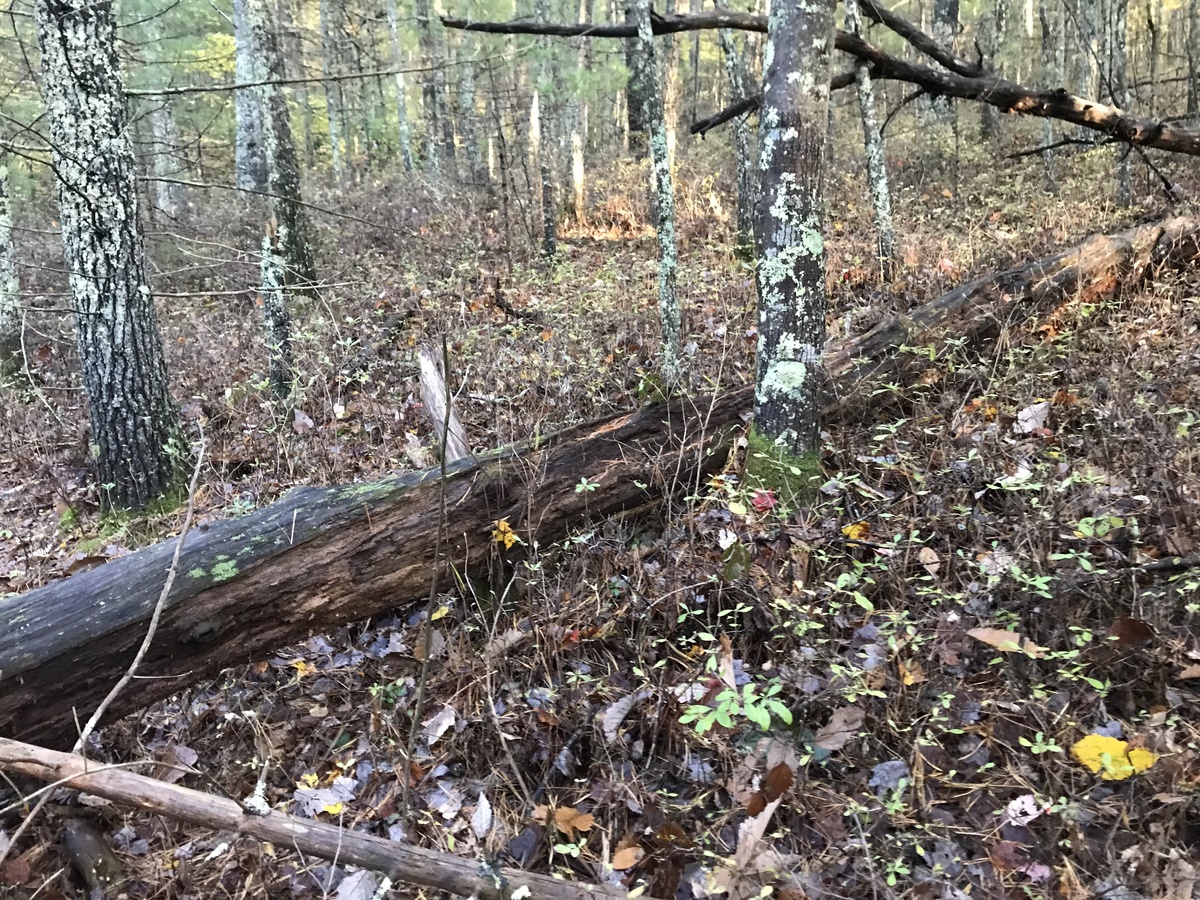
(321, 557)
(977, 312)
(1177, 137)
(397, 860)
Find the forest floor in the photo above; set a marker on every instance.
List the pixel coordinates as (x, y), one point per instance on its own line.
(599, 703)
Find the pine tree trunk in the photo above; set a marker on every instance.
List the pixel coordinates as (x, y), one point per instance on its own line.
(283, 171)
(402, 127)
(11, 355)
(791, 267)
(250, 157)
(881, 199)
(664, 200)
(134, 425)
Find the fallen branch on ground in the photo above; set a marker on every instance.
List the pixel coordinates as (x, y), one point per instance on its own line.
(397, 860)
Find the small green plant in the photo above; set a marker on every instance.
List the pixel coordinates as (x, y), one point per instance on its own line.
(1041, 744)
(758, 708)
(586, 486)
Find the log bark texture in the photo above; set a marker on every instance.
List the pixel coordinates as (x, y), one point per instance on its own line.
(398, 861)
(321, 557)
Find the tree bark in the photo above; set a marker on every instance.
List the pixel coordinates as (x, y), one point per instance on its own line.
(321, 557)
(747, 173)
(325, 556)
(877, 179)
(1118, 28)
(788, 233)
(399, 861)
(11, 352)
(663, 191)
(133, 420)
(250, 155)
(640, 86)
(433, 92)
(283, 171)
(277, 322)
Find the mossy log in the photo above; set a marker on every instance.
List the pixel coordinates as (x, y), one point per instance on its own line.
(321, 557)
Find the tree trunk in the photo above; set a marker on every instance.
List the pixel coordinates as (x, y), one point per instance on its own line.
(881, 200)
(664, 200)
(134, 426)
(283, 171)
(992, 28)
(641, 84)
(11, 353)
(1052, 69)
(169, 195)
(277, 322)
(944, 32)
(747, 180)
(250, 156)
(331, 65)
(670, 90)
(402, 126)
(467, 116)
(1193, 59)
(293, 65)
(1117, 24)
(540, 137)
(791, 267)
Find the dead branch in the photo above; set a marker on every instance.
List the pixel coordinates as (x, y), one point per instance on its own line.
(398, 861)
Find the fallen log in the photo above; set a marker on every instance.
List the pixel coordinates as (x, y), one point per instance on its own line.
(397, 860)
(321, 557)
(976, 313)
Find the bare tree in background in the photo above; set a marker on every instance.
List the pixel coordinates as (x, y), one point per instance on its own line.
(250, 156)
(10, 298)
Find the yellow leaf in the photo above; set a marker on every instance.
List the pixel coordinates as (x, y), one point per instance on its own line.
(309, 779)
(1111, 757)
(334, 809)
(1008, 641)
(858, 531)
(503, 534)
(911, 673)
(440, 613)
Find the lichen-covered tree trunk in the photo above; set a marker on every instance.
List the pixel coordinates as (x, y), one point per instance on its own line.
(402, 127)
(283, 171)
(135, 430)
(746, 171)
(277, 322)
(641, 84)
(249, 155)
(331, 65)
(664, 200)
(10, 297)
(945, 32)
(881, 198)
(292, 41)
(791, 250)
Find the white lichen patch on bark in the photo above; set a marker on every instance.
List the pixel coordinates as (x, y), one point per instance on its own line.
(132, 415)
(10, 298)
(791, 268)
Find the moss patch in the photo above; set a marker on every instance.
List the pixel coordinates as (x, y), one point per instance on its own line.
(793, 477)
